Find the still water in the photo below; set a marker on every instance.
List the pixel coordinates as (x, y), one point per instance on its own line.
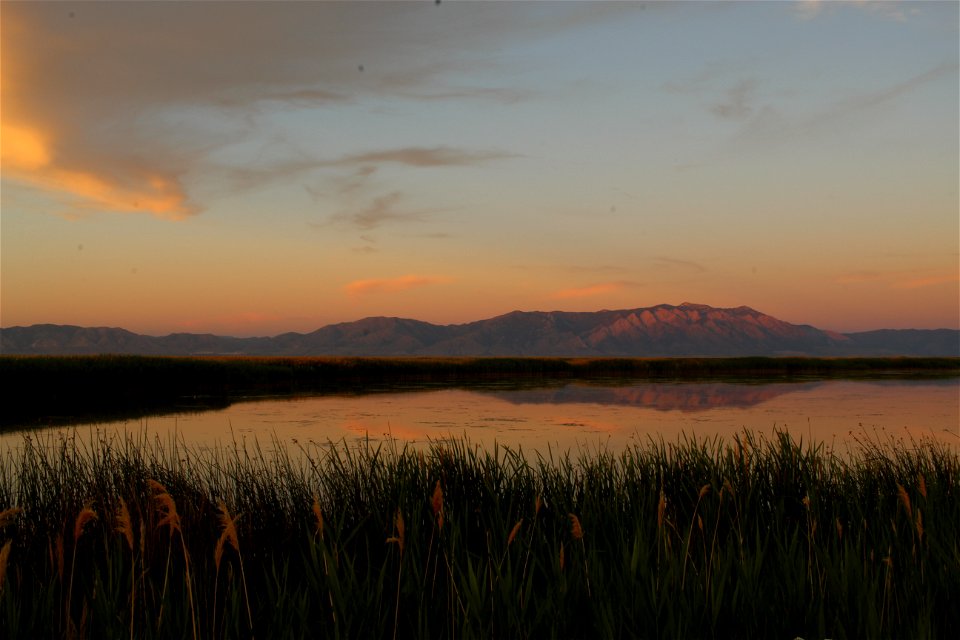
(576, 416)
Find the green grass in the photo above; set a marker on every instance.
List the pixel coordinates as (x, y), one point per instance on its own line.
(698, 538)
(44, 390)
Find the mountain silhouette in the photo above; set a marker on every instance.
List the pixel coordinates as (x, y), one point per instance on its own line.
(659, 331)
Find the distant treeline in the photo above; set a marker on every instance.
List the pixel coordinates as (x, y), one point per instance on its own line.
(49, 389)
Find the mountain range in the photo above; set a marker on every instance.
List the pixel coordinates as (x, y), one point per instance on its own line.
(659, 331)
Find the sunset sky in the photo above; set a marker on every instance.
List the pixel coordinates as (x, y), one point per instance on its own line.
(255, 168)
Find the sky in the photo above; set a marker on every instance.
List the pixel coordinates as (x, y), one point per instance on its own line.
(262, 167)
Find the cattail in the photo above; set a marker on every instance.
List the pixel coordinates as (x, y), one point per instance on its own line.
(919, 524)
(922, 485)
(561, 556)
(123, 524)
(86, 515)
(318, 517)
(514, 531)
(575, 529)
(437, 503)
(905, 499)
(839, 529)
(537, 504)
(704, 490)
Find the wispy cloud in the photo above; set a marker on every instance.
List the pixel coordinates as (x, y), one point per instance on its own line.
(898, 279)
(769, 125)
(929, 281)
(128, 107)
(597, 289)
(689, 265)
(381, 210)
(736, 101)
(426, 157)
(857, 277)
(392, 285)
(885, 9)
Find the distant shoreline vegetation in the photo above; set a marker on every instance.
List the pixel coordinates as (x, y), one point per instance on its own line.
(49, 390)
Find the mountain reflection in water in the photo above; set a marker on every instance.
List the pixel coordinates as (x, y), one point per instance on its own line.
(662, 396)
(564, 416)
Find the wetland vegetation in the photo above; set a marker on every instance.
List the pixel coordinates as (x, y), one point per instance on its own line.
(754, 537)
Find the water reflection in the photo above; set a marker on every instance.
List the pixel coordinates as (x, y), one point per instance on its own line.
(576, 415)
(662, 396)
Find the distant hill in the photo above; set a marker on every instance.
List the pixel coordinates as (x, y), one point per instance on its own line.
(664, 330)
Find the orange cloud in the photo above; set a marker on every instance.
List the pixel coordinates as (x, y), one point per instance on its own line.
(931, 281)
(26, 155)
(391, 285)
(591, 290)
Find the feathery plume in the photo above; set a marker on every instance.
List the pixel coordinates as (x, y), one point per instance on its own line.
(86, 515)
(4, 557)
(123, 523)
(514, 531)
(398, 526)
(7, 516)
(905, 499)
(228, 534)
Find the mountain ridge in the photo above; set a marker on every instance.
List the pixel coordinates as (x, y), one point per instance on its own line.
(664, 330)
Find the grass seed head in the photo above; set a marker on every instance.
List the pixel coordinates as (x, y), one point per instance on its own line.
(123, 523)
(228, 533)
(575, 529)
(398, 526)
(514, 531)
(86, 515)
(168, 511)
(4, 557)
(704, 490)
(156, 487)
(905, 499)
(7, 516)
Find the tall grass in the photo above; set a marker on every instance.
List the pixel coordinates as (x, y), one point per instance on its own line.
(753, 537)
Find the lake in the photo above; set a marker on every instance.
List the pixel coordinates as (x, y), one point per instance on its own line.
(575, 416)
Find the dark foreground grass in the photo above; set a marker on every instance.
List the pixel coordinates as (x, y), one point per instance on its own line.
(45, 390)
(751, 538)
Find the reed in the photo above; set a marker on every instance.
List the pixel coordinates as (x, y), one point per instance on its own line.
(757, 537)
